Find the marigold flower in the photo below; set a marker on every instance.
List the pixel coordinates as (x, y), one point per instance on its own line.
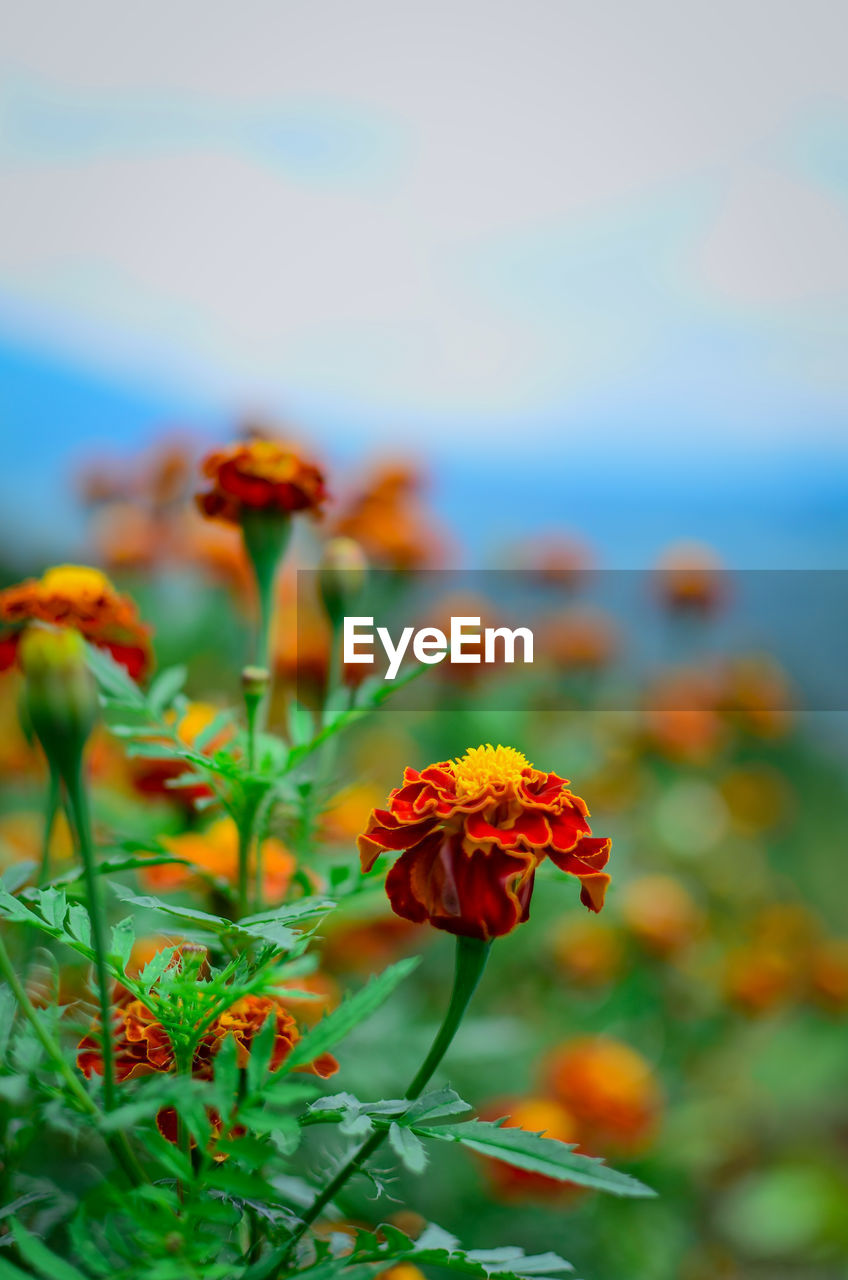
(760, 977)
(589, 952)
(82, 598)
(661, 915)
(387, 519)
(578, 641)
(215, 853)
(257, 476)
(690, 579)
(829, 974)
(471, 833)
(611, 1091)
(142, 1045)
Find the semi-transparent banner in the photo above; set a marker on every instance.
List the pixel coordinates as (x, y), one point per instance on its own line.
(757, 641)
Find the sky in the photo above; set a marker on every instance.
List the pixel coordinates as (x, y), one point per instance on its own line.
(613, 233)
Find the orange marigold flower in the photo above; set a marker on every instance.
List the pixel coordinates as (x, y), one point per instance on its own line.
(79, 597)
(611, 1091)
(661, 915)
(589, 952)
(472, 832)
(142, 1045)
(246, 1018)
(690, 578)
(260, 475)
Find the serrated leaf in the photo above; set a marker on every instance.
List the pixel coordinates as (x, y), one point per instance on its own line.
(336, 1025)
(123, 939)
(165, 688)
(112, 678)
(407, 1147)
(536, 1154)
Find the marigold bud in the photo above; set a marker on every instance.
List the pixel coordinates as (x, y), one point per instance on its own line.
(60, 696)
(341, 575)
(255, 681)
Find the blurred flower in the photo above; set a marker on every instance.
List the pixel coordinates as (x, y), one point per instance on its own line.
(534, 1115)
(681, 717)
(756, 797)
(610, 1090)
(21, 834)
(81, 598)
(555, 560)
(260, 476)
(577, 640)
(829, 974)
(661, 915)
(387, 520)
(367, 946)
(472, 832)
(347, 812)
(151, 776)
(690, 578)
(312, 995)
(760, 977)
(756, 696)
(214, 853)
(588, 951)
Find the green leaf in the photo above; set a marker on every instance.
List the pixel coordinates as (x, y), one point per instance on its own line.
(336, 1025)
(112, 678)
(165, 688)
(537, 1154)
(42, 1260)
(123, 938)
(409, 1148)
(301, 723)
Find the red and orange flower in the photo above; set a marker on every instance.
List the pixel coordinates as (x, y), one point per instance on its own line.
(79, 597)
(142, 1046)
(260, 476)
(471, 833)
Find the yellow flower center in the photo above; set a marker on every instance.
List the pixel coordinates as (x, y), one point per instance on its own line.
(488, 766)
(76, 582)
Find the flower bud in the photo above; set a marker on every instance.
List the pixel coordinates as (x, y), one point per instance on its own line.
(341, 576)
(60, 696)
(255, 682)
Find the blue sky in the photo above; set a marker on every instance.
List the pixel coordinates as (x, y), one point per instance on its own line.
(614, 236)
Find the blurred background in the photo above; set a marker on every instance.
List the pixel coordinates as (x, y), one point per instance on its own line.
(550, 287)
(590, 260)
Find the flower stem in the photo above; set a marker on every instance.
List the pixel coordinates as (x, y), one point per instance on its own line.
(81, 823)
(51, 809)
(471, 957)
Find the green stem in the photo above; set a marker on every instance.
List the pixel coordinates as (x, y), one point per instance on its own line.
(245, 840)
(51, 809)
(117, 1143)
(266, 536)
(81, 823)
(471, 957)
